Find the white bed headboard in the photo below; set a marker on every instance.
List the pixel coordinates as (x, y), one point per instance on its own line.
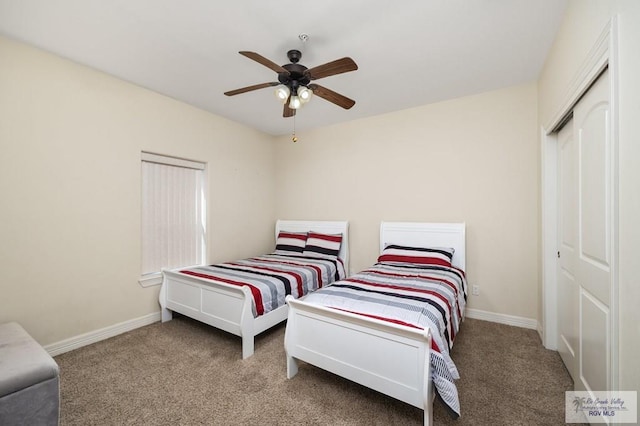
(322, 226)
(419, 234)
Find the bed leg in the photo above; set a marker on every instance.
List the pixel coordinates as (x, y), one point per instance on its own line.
(166, 315)
(428, 408)
(428, 383)
(428, 416)
(247, 346)
(292, 367)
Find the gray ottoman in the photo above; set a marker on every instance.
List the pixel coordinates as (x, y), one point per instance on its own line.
(29, 384)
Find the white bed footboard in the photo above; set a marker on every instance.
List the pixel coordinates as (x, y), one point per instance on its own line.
(218, 304)
(383, 356)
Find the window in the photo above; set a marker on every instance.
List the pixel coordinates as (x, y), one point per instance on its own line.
(173, 215)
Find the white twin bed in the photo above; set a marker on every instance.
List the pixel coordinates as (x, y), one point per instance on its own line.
(230, 307)
(371, 348)
(388, 357)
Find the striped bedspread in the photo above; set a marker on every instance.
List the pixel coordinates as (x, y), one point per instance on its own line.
(415, 296)
(272, 277)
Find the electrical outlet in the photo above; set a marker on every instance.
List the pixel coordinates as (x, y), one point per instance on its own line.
(475, 290)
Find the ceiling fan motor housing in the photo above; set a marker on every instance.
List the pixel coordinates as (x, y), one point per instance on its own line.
(296, 72)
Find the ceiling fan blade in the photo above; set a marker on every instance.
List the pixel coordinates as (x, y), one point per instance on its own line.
(338, 66)
(286, 111)
(264, 61)
(331, 96)
(250, 88)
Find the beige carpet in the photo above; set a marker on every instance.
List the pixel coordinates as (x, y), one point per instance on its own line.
(185, 373)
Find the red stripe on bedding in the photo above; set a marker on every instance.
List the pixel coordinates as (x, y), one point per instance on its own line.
(434, 345)
(413, 259)
(327, 237)
(294, 235)
(254, 291)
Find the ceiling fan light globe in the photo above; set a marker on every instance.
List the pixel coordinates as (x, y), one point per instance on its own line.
(295, 102)
(282, 93)
(304, 94)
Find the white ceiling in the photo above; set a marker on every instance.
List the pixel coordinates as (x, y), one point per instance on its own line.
(409, 52)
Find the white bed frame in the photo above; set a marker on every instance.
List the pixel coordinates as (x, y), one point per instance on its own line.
(389, 358)
(228, 307)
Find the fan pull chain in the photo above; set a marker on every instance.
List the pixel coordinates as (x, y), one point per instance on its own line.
(294, 138)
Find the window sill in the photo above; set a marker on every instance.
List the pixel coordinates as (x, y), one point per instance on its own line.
(151, 280)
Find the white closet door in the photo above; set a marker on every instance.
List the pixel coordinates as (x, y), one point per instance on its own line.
(585, 188)
(568, 289)
(593, 268)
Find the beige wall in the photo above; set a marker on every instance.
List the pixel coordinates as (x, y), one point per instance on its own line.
(70, 143)
(583, 23)
(473, 159)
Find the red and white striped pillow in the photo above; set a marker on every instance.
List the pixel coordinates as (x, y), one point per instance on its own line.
(323, 245)
(290, 242)
(416, 255)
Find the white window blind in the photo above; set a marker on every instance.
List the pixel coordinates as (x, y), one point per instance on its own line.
(173, 215)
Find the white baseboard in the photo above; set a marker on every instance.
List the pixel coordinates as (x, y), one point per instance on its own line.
(502, 318)
(85, 339)
(540, 332)
(101, 334)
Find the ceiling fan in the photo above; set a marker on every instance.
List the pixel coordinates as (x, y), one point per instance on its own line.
(294, 81)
